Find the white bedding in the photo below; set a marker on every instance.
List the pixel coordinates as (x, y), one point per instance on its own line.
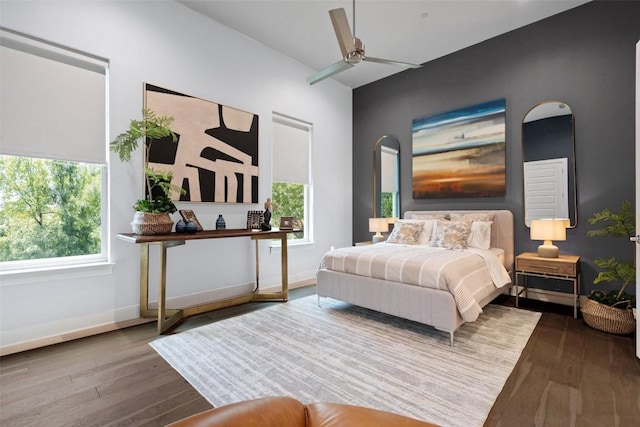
(470, 274)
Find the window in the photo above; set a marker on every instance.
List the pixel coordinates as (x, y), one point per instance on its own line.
(291, 186)
(53, 198)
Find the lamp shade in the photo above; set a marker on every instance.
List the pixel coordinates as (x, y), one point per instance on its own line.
(377, 225)
(548, 230)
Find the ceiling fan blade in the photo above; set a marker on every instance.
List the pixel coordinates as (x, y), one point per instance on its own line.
(342, 30)
(329, 71)
(388, 61)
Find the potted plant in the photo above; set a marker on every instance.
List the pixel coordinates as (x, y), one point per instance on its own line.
(153, 212)
(613, 311)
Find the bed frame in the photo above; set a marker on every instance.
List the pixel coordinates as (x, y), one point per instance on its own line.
(432, 307)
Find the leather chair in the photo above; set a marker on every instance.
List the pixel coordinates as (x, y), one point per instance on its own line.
(288, 412)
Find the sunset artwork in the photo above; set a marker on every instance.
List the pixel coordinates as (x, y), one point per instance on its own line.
(460, 153)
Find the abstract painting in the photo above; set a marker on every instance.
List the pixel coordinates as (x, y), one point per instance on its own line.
(216, 156)
(460, 153)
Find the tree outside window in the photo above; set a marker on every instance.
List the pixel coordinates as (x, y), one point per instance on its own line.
(49, 208)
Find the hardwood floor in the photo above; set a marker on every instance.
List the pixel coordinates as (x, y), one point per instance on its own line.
(568, 375)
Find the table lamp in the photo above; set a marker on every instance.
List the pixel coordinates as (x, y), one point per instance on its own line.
(548, 230)
(377, 225)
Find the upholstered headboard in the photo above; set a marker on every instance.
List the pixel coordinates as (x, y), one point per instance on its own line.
(501, 230)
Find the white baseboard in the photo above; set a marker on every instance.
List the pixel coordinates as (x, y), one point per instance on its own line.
(70, 329)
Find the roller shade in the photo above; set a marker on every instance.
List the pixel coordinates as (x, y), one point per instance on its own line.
(52, 101)
(290, 152)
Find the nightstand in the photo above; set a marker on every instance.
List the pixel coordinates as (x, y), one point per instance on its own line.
(369, 242)
(565, 267)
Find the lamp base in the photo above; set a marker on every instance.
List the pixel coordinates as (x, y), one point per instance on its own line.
(377, 238)
(548, 250)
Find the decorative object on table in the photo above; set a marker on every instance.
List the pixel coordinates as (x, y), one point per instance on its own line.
(152, 212)
(220, 223)
(266, 220)
(222, 141)
(286, 223)
(548, 230)
(189, 216)
(378, 226)
(254, 220)
(149, 223)
(181, 226)
(191, 227)
(612, 311)
(460, 153)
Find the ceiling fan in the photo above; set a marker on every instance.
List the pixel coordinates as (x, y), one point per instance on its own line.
(351, 47)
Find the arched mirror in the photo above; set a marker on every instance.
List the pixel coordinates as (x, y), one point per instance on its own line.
(386, 177)
(548, 152)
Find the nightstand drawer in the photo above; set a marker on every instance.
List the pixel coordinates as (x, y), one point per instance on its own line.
(547, 266)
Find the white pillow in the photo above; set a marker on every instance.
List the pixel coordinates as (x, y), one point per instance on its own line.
(480, 235)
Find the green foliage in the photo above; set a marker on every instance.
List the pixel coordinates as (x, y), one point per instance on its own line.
(161, 181)
(151, 128)
(156, 205)
(620, 224)
(623, 301)
(288, 200)
(616, 224)
(386, 201)
(48, 208)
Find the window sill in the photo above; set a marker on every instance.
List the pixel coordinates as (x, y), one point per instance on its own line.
(51, 273)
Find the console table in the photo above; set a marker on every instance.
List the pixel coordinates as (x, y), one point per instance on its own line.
(167, 318)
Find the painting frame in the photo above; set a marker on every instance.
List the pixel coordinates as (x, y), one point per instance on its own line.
(255, 220)
(215, 158)
(460, 153)
(286, 223)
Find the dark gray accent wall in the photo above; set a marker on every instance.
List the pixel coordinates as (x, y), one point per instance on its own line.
(584, 57)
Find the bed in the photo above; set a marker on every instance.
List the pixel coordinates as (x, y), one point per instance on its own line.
(439, 268)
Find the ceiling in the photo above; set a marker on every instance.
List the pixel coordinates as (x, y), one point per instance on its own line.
(412, 31)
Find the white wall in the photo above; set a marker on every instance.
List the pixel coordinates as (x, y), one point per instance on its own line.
(166, 44)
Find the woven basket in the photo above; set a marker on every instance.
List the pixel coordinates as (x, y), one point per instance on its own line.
(608, 318)
(146, 223)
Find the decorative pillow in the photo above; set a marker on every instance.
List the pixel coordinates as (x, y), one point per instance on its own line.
(470, 217)
(480, 235)
(427, 230)
(407, 233)
(451, 234)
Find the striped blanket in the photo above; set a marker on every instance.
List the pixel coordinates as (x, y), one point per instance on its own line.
(470, 274)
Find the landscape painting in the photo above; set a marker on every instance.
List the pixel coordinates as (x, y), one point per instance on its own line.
(460, 153)
(216, 156)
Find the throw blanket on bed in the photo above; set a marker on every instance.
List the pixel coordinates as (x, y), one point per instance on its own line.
(469, 274)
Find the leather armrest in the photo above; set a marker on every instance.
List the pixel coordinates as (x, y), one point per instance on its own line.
(265, 412)
(340, 415)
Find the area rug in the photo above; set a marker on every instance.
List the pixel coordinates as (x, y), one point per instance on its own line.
(337, 352)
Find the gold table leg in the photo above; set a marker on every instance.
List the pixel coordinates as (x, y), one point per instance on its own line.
(283, 295)
(167, 318)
